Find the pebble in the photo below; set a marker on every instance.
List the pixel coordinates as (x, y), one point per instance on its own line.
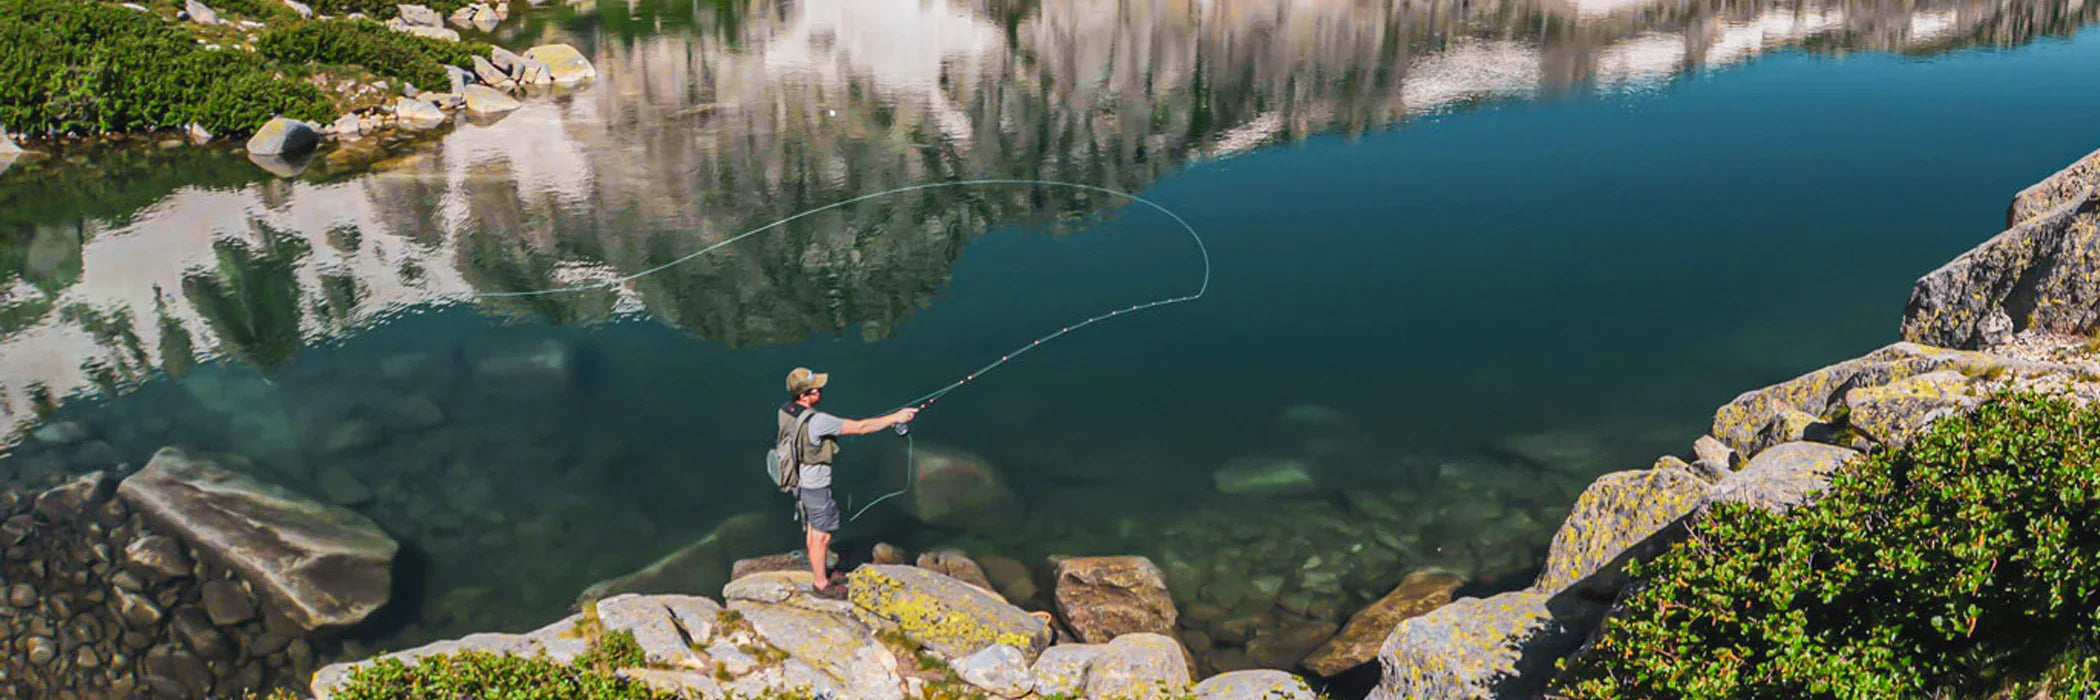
(21, 595)
(41, 650)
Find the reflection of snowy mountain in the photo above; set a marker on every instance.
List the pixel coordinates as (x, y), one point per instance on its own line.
(695, 133)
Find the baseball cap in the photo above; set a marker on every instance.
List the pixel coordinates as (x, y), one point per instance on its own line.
(804, 379)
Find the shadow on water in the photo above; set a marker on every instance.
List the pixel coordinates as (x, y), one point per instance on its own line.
(1424, 341)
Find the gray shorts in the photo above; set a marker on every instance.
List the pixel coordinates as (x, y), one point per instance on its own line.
(819, 510)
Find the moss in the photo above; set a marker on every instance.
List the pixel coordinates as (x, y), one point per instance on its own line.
(74, 67)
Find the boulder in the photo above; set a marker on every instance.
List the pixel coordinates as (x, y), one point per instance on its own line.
(957, 489)
(954, 564)
(564, 63)
(159, 556)
(417, 114)
(701, 566)
(322, 566)
(531, 72)
(1266, 477)
(1286, 647)
(1780, 478)
(1009, 577)
(1715, 452)
(767, 586)
(1061, 670)
(1253, 685)
(795, 561)
(1504, 646)
(529, 369)
(7, 144)
(485, 100)
(419, 16)
(1422, 591)
(1102, 598)
(1743, 423)
(1000, 669)
(2036, 275)
(505, 60)
(1141, 666)
(1621, 516)
(952, 618)
(1896, 412)
(299, 8)
(437, 33)
(490, 74)
(199, 13)
(1566, 451)
(838, 646)
(283, 137)
(73, 499)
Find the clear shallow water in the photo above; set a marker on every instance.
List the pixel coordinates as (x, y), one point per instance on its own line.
(1573, 245)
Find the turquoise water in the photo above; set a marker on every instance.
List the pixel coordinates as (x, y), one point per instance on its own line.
(1501, 295)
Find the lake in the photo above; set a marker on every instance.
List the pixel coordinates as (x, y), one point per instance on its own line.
(1463, 258)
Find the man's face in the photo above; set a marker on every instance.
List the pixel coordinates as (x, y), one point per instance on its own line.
(814, 396)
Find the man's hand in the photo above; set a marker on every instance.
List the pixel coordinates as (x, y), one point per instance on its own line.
(903, 415)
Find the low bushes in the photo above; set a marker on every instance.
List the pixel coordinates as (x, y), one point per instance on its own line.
(1964, 564)
(75, 67)
(371, 45)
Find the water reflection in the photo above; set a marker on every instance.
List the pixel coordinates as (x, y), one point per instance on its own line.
(715, 116)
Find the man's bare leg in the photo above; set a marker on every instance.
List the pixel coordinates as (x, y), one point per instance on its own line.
(819, 543)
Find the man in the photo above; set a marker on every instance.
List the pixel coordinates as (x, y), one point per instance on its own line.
(820, 513)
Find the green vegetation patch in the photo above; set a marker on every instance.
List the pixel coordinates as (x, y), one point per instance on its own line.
(372, 46)
(1962, 565)
(83, 67)
(474, 674)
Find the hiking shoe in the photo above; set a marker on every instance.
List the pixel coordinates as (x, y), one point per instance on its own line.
(831, 592)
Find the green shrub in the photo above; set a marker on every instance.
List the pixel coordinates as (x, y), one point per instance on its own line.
(474, 674)
(71, 67)
(613, 650)
(384, 9)
(370, 44)
(1958, 565)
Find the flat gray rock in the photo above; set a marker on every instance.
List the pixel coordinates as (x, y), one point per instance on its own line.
(662, 640)
(999, 669)
(952, 618)
(836, 646)
(1140, 666)
(1061, 670)
(1783, 477)
(323, 566)
(283, 137)
(1263, 684)
(1503, 646)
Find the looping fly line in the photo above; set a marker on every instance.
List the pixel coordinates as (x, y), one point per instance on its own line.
(928, 398)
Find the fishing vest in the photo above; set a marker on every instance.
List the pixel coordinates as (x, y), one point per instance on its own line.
(806, 453)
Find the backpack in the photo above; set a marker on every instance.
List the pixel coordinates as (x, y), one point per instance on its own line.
(784, 461)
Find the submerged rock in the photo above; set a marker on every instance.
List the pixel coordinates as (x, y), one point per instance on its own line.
(322, 566)
(283, 137)
(703, 565)
(1102, 598)
(528, 369)
(1358, 642)
(958, 489)
(954, 564)
(1266, 476)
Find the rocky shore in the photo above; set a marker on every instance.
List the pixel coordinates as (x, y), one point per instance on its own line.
(2017, 313)
(186, 579)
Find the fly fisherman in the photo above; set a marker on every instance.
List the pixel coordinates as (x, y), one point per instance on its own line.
(814, 505)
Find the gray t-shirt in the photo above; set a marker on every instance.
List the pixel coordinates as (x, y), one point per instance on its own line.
(822, 425)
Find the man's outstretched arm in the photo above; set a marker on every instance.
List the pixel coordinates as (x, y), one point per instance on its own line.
(864, 426)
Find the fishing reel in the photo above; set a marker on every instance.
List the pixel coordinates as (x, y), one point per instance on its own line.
(902, 428)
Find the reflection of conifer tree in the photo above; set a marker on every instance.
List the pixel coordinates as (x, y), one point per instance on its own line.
(178, 353)
(251, 300)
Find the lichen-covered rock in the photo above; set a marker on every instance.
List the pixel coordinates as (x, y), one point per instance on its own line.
(1102, 598)
(1140, 666)
(1504, 646)
(1622, 515)
(322, 566)
(1268, 477)
(952, 618)
(838, 646)
(2042, 274)
(1896, 412)
(564, 63)
(1743, 423)
(1261, 684)
(1061, 670)
(283, 137)
(767, 586)
(1715, 452)
(2053, 191)
(1422, 591)
(1780, 478)
(1000, 669)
